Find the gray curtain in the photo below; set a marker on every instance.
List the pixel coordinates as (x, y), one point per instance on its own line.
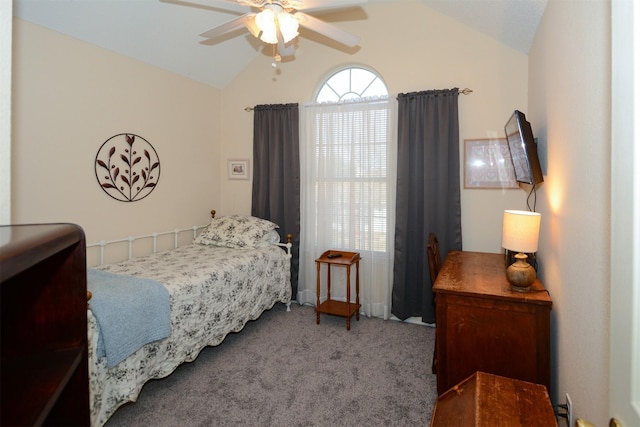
(276, 174)
(428, 195)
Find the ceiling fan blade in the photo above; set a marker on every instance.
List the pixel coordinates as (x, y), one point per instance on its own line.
(228, 27)
(328, 30)
(213, 5)
(312, 5)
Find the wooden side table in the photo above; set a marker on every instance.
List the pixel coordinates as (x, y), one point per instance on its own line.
(331, 306)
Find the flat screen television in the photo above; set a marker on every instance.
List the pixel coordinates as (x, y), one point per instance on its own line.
(523, 150)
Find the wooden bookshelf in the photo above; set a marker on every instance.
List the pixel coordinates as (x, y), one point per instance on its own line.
(43, 285)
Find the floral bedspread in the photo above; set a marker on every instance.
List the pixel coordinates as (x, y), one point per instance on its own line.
(213, 292)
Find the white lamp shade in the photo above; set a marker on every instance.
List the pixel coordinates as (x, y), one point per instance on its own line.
(520, 230)
(271, 20)
(288, 26)
(266, 22)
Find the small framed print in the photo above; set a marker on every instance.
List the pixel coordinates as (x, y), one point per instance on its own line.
(238, 168)
(487, 164)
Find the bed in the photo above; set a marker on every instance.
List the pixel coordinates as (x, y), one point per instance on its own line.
(231, 273)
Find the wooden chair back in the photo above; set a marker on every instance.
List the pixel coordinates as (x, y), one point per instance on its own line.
(435, 263)
(433, 254)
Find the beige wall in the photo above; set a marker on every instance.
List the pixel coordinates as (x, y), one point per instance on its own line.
(570, 89)
(413, 48)
(69, 97)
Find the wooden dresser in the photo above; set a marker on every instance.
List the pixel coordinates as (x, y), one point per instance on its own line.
(483, 325)
(43, 283)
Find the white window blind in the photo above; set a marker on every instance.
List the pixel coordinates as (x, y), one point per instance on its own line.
(351, 193)
(348, 196)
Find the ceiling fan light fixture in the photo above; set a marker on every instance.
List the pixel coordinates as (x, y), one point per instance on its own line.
(288, 25)
(277, 22)
(266, 22)
(269, 37)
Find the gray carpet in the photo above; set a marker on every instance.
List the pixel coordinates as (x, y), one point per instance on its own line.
(284, 370)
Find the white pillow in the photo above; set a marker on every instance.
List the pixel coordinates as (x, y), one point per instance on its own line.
(236, 231)
(271, 238)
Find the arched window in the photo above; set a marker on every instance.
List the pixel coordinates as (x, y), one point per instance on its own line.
(351, 83)
(348, 183)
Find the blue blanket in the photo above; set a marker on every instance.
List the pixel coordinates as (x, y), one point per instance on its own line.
(131, 312)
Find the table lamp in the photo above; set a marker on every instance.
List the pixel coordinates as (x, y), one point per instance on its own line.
(520, 231)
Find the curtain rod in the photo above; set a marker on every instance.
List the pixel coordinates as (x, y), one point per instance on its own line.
(465, 91)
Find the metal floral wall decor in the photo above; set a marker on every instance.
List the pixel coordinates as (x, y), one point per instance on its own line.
(127, 167)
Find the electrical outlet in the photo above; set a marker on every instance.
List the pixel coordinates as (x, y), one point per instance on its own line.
(569, 411)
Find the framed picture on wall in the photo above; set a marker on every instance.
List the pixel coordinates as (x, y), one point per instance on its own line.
(238, 168)
(487, 164)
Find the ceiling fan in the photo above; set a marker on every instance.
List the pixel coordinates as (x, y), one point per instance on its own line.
(277, 22)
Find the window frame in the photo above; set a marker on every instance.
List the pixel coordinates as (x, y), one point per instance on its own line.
(325, 81)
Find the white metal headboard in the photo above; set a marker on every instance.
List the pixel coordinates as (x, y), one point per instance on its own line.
(176, 233)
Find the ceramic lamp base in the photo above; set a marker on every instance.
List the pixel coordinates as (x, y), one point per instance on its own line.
(521, 274)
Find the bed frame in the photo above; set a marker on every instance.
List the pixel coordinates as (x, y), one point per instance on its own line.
(112, 387)
(177, 233)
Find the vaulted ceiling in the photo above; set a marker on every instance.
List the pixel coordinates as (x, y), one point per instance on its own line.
(165, 33)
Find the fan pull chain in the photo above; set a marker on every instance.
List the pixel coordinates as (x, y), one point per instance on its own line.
(276, 57)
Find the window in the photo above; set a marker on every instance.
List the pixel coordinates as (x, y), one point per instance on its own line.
(348, 164)
(351, 150)
(351, 83)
